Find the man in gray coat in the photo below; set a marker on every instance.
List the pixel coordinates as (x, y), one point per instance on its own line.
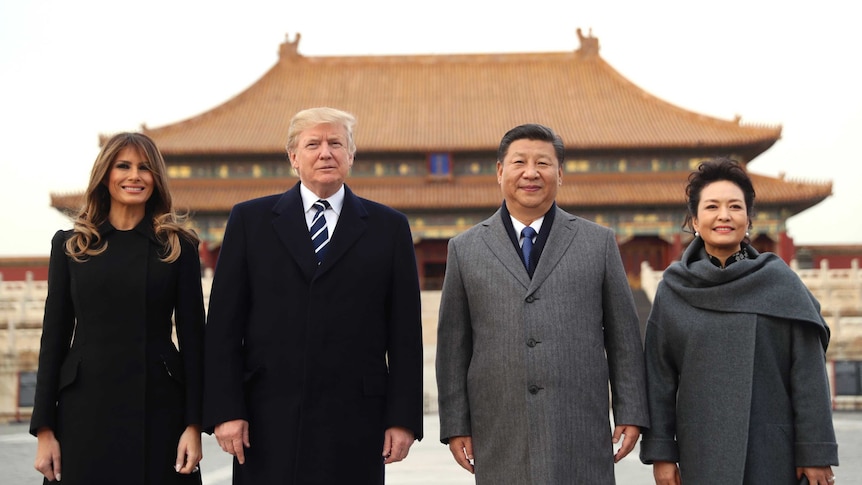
(536, 318)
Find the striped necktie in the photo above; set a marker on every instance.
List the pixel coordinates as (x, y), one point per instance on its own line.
(319, 233)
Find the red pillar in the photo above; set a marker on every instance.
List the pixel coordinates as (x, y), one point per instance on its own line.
(785, 248)
(675, 249)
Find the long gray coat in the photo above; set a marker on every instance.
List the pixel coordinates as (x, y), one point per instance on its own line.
(521, 363)
(738, 390)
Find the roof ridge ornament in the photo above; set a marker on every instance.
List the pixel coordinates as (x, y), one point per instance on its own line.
(589, 44)
(289, 50)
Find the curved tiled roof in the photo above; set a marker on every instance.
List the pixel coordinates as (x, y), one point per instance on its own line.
(660, 189)
(458, 103)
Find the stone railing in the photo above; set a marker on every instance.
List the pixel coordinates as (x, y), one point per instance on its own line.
(839, 291)
(22, 301)
(22, 304)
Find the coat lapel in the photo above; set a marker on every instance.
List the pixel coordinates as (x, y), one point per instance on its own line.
(560, 238)
(290, 227)
(497, 240)
(351, 226)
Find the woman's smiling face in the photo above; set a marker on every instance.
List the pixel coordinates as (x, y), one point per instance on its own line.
(130, 181)
(722, 218)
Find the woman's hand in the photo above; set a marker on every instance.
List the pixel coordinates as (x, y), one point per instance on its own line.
(48, 454)
(189, 452)
(817, 475)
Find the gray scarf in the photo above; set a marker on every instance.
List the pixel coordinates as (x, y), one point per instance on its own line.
(762, 284)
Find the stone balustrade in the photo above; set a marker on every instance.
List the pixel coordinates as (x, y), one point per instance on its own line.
(22, 305)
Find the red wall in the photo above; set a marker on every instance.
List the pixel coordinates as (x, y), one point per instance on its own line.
(15, 269)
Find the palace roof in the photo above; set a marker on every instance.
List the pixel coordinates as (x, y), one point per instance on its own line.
(464, 102)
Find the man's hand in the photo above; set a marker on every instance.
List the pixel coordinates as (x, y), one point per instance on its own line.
(462, 449)
(397, 444)
(232, 436)
(630, 436)
(666, 473)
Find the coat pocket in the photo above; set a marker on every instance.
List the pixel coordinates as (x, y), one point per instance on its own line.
(68, 373)
(173, 364)
(250, 376)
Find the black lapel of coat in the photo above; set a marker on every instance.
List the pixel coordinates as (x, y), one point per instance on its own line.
(351, 225)
(290, 227)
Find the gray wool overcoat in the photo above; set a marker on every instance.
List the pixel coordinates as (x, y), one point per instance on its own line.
(738, 391)
(523, 365)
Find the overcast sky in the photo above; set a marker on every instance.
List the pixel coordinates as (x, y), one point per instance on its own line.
(72, 70)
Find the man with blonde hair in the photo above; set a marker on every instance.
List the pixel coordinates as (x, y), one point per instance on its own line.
(313, 341)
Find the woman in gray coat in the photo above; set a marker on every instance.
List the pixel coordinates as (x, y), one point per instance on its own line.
(735, 354)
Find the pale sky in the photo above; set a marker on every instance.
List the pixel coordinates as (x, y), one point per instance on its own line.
(72, 70)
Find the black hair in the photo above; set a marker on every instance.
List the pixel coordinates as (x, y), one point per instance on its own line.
(531, 131)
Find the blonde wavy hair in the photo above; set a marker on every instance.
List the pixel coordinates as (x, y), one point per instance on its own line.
(168, 225)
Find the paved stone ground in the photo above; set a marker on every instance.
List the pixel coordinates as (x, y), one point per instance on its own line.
(429, 462)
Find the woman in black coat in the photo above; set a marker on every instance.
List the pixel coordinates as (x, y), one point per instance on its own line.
(735, 355)
(116, 401)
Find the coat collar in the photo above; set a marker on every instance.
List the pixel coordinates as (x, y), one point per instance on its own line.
(562, 234)
(290, 227)
(497, 239)
(144, 228)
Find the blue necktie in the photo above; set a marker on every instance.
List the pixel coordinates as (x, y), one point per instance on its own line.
(319, 233)
(527, 247)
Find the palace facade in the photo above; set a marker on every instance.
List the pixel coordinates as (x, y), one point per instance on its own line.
(427, 134)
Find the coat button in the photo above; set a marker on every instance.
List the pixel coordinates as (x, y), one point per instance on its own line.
(534, 389)
(531, 299)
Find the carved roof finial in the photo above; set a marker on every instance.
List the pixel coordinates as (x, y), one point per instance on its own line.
(589, 44)
(289, 50)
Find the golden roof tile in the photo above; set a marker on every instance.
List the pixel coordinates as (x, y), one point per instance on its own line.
(458, 102)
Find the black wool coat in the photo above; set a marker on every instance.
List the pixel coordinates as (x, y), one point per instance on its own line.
(111, 384)
(320, 360)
